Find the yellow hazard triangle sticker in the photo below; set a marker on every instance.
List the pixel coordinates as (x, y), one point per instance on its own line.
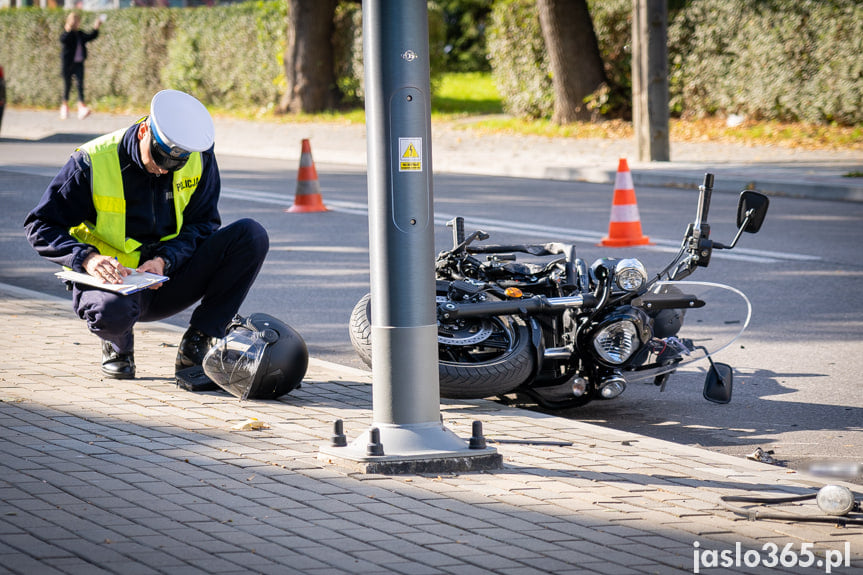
(410, 155)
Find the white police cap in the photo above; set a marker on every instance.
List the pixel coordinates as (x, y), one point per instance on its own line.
(180, 124)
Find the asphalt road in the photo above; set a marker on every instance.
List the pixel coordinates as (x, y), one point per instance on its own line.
(797, 368)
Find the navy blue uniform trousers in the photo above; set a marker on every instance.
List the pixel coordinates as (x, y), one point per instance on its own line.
(219, 274)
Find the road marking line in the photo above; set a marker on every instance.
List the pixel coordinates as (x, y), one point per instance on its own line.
(561, 234)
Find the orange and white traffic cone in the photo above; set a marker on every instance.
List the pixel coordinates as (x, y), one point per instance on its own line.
(624, 228)
(308, 195)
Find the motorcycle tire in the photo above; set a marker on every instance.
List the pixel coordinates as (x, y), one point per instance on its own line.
(487, 377)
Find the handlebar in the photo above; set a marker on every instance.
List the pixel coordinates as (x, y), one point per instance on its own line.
(697, 245)
(459, 242)
(537, 304)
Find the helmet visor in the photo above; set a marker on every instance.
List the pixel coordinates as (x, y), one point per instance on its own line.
(233, 363)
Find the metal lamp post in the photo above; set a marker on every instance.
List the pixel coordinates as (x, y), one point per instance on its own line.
(407, 433)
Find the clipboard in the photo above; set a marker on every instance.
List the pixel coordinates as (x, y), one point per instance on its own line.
(132, 283)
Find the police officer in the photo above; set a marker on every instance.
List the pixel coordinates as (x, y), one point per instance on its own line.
(146, 198)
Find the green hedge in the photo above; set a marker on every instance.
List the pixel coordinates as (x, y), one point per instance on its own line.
(124, 64)
(767, 59)
(770, 59)
(520, 64)
(793, 60)
(227, 56)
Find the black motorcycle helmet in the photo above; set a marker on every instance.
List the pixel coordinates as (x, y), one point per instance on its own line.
(260, 357)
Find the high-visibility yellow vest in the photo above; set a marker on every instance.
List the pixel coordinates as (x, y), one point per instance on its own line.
(108, 234)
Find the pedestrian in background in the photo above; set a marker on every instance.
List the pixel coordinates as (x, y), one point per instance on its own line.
(73, 55)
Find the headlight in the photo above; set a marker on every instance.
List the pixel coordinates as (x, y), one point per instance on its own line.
(630, 274)
(618, 336)
(616, 342)
(835, 500)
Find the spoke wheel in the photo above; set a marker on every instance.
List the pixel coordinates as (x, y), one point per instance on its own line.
(477, 358)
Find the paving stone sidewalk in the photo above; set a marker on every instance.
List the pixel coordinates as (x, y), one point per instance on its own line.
(138, 477)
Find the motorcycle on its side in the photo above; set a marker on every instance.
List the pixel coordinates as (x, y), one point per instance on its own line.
(564, 333)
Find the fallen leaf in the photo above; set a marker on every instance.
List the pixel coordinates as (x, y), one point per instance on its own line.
(251, 424)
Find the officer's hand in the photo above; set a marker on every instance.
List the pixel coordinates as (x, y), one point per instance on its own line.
(106, 268)
(154, 266)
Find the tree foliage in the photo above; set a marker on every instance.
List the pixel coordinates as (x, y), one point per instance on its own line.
(465, 23)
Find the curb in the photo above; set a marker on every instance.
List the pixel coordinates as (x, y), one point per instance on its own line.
(725, 183)
(814, 174)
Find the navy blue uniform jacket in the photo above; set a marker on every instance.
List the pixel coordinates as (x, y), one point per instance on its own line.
(150, 214)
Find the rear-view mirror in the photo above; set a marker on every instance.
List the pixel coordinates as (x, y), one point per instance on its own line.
(753, 204)
(718, 383)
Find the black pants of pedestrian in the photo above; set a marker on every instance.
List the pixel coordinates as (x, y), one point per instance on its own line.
(219, 274)
(76, 70)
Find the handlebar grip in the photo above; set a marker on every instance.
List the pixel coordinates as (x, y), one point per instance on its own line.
(457, 225)
(705, 190)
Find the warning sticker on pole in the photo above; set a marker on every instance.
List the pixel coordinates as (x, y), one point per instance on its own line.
(410, 154)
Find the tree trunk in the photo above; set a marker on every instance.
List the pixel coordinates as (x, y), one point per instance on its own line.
(309, 57)
(650, 79)
(576, 65)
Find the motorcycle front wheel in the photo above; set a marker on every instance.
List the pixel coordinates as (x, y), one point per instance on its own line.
(476, 359)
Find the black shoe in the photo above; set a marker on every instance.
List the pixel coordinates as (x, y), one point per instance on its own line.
(117, 365)
(193, 347)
